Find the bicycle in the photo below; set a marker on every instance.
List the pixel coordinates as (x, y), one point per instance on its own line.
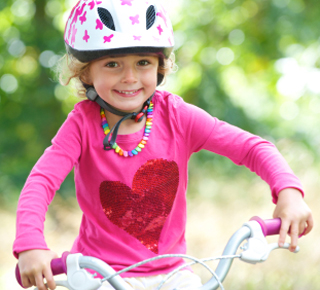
(255, 250)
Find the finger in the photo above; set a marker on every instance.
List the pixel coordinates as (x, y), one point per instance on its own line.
(49, 278)
(25, 281)
(309, 225)
(302, 229)
(294, 233)
(39, 282)
(31, 279)
(283, 232)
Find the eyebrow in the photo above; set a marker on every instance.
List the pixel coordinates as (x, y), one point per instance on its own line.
(136, 54)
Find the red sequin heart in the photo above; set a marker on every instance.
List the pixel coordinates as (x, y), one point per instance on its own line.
(142, 210)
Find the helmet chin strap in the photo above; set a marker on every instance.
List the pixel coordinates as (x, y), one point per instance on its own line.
(137, 117)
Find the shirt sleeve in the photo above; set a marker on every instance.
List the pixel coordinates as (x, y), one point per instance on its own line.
(44, 180)
(202, 131)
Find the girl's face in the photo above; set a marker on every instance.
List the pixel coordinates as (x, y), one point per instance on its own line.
(125, 82)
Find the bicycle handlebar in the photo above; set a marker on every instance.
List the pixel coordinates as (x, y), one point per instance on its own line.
(268, 227)
(58, 266)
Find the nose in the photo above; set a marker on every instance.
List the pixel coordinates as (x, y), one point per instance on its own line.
(129, 75)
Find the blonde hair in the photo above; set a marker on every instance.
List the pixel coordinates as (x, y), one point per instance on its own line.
(69, 69)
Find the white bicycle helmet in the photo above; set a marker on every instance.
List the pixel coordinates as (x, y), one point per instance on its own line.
(96, 28)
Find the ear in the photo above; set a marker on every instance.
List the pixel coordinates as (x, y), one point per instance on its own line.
(161, 71)
(160, 79)
(85, 77)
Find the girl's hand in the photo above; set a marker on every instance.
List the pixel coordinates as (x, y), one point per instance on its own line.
(34, 265)
(295, 215)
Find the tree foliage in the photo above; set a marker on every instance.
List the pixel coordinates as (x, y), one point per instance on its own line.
(252, 63)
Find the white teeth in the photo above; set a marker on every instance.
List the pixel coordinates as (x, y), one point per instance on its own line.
(127, 93)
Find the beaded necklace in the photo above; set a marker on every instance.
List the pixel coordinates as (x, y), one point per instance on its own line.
(145, 137)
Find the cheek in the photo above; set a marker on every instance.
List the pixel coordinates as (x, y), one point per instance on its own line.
(98, 86)
(151, 78)
(102, 87)
(102, 81)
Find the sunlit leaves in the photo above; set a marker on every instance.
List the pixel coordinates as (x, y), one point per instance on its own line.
(242, 42)
(259, 63)
(23, 10)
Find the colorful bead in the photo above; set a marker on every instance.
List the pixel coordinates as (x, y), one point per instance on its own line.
(145, 137)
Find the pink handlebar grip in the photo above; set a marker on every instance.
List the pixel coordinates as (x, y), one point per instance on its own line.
(269, 227)
(58, 266)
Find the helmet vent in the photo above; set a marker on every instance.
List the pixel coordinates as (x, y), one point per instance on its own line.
(106, 18)
(151, 16)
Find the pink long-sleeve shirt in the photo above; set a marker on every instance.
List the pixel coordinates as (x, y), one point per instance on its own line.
(134, 208)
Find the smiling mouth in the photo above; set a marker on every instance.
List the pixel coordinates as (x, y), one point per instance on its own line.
(128, 92)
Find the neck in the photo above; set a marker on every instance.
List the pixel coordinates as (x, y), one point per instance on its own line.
(127, 127)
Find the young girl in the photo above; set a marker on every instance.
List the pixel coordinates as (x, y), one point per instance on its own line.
(129, 145)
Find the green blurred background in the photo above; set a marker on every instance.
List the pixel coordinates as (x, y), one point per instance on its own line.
(253, 63)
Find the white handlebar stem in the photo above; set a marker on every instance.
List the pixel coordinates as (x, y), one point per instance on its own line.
(105, 270)
(80, 279)
(257, 247)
